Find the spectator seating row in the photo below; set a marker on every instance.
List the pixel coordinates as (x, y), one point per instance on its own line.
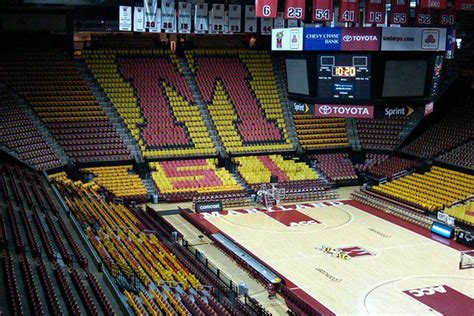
(19, 133)
(239, 88)
(121, 181)
(380, 133)
(463, 212)
(317, 133)
(228, 200)
(128, 252)
(337, 167)
(183, 180)
(391, 166)
(432, 191)
(452, 130)
(462, 156)
(53, 86)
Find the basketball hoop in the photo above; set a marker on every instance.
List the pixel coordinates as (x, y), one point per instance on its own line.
(467, 259)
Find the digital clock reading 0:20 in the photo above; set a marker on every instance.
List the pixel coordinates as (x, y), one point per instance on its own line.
(344, 71)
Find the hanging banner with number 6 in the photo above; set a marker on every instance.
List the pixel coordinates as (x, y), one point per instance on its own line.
(399, 12)
(349, 11)
(323, 10)
(266, 8)
(295, 9)
(375, 12)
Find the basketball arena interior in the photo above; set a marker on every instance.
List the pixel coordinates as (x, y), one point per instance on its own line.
(267, 157)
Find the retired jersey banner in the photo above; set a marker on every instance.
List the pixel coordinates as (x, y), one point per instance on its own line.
(184, 17)
(375, 11)
(323, 10)
(168, 16)
(424, 17)
(447, 17)
(235, 17)
(125, 18)
(266, 25)
(466, 5)
(295, 9)
(250, 19)
(399, 12)
(292, 23)
(349, 11)
(266, 8)
(152, 16)
(217, 18)
(200, 18)
(138, 19)
(433, 4)
(279, 22)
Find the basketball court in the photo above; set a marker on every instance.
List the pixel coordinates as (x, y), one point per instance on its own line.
(346, 260)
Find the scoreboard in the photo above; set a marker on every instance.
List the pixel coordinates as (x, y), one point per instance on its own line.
(343, 77)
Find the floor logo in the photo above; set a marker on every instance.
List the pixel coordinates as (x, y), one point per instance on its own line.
(345, 253)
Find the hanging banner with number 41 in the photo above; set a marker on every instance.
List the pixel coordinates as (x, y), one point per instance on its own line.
(349, 11)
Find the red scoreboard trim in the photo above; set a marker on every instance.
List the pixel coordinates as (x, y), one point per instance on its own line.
(323, 10)
(400, 12)
(433, 4)
(375, 12)
(295, 9)
(349, 11)
(266, 8)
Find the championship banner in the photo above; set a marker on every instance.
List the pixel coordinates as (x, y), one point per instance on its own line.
(235, 17)
(465, 5)
(447, 17)
(323, 10)
(399, 12)
(250, 19)
(168, 16)
(349, 11)
(279, 22)
(152, 16)
(375, 11)
(125, 18)
(266, 25)
(295, 9)
(424, 17)
(138, 19)
(433, 4)
(266, 8)
(287, 39)
(217, 18)
(200, 18)
(292, 23)
(184, 17)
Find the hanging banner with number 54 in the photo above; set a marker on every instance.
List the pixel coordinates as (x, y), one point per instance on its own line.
(349, 11)
(266, 8)
(295, 9)
(375, 12)
(323, 10)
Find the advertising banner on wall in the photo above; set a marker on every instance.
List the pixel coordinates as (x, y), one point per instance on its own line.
(413, 39)
(287, 39)
(125, 18)
(344, 111)
(360, 39)
(322, 38)
(200, 18)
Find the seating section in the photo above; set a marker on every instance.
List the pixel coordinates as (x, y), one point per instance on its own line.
(453, 129)
(317, 133)
(380, 133)
(121, 181)
(433, 191)
(462, 156)
(391, 166)
(336, 167)
(53, 86)
(463, 212)
(240, 91)
(153, 280)
(19, 134)
(41, 249)
(184, 180)
(371, 160)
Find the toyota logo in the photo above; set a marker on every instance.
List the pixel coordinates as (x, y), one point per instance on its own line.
(347, 38)
(325, 110)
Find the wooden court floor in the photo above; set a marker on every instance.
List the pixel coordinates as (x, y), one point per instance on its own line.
(351, 261)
